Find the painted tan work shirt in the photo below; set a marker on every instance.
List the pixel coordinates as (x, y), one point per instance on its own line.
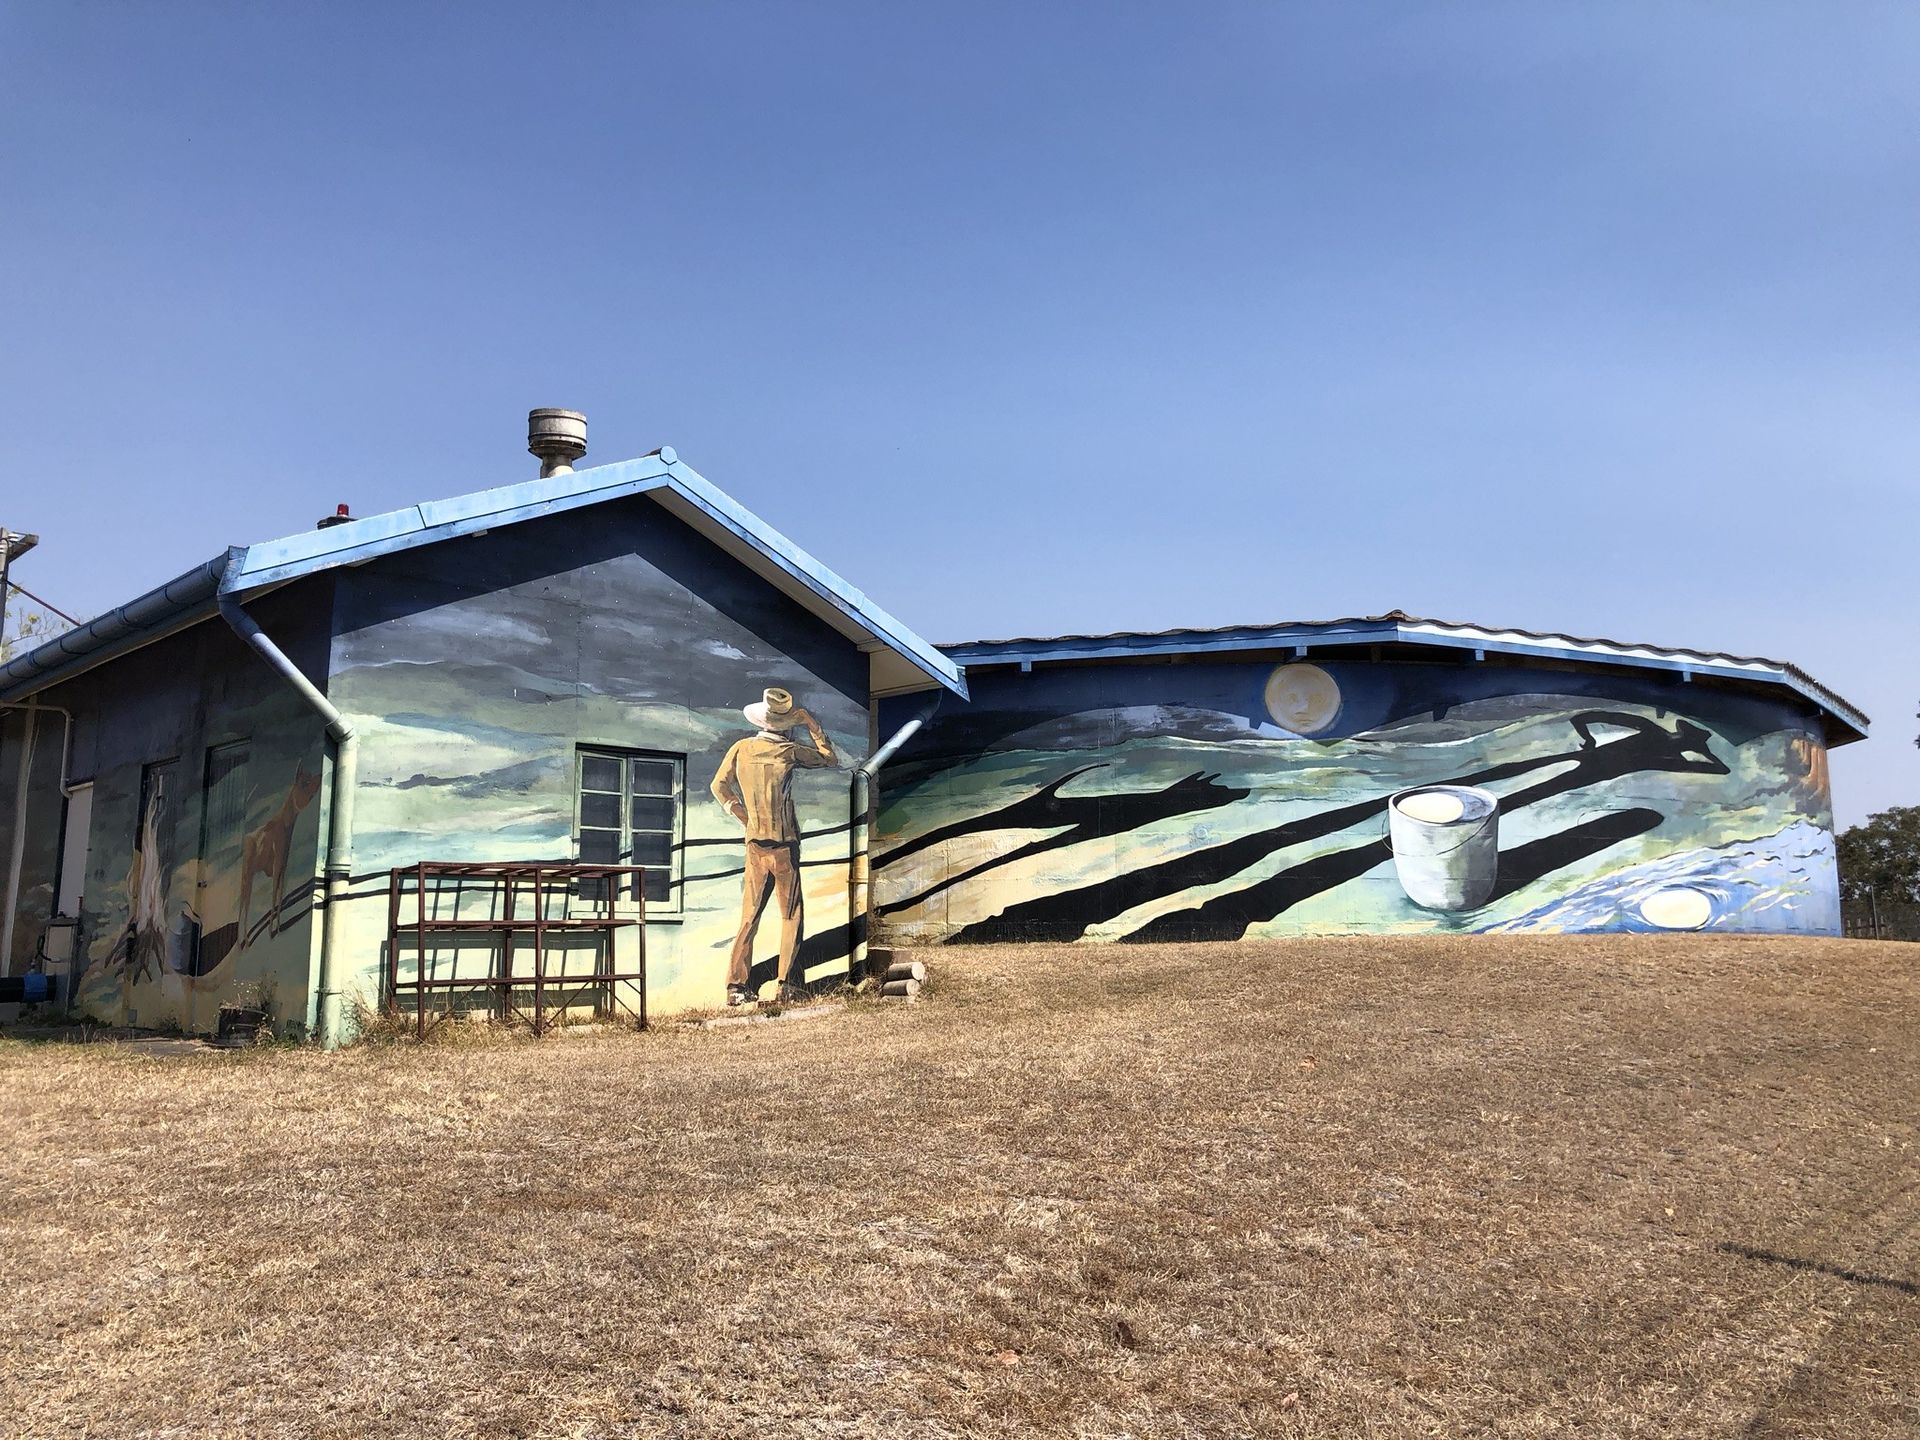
(757, 777)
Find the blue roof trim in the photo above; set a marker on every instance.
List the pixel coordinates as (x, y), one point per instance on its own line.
(722, 508)
(193, 596)
(1174, 642)
(1411, 630)
(357, 541)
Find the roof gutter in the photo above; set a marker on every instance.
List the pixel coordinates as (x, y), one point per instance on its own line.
(184, 600)
(324, 1014)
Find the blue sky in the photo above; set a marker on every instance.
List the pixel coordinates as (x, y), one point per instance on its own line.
(1027, 318)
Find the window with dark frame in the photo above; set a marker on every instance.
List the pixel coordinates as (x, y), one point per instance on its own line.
(629, 806)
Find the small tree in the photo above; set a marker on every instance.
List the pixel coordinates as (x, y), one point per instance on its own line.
(1883, 856)
(30, 628)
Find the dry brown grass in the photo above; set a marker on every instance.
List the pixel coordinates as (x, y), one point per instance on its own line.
(1351, 1188)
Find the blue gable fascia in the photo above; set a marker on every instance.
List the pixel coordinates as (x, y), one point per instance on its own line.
(357, 541)
(664, 473)
(191, 597)
(801, 566)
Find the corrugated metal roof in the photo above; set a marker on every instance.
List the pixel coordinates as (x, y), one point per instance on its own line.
(676, 485)
(1398, 627)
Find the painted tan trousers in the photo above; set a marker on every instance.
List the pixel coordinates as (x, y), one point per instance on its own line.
(773, 869)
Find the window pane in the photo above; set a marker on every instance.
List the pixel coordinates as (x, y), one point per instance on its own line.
(599, 772)
(653, 777)
(629, 813)
(652, 812)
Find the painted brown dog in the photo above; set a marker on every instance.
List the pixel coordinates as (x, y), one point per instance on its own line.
(264, 851)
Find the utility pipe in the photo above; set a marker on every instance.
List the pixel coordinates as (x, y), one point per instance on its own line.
(29, 739)
(17, 849)
(67, 786)
(339, 866)
(859, 803)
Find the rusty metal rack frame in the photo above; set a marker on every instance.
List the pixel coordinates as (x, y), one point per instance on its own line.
(542, 883)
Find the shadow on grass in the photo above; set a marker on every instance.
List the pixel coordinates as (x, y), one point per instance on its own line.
(151, 1043)
(1852, 1277)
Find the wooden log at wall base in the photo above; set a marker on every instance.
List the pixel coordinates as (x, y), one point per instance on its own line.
(908, 970)
(901, 989)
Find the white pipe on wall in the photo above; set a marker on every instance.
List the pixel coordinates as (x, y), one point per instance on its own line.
(339, 864)
(859, 803)
(17, 849)
(17, 855)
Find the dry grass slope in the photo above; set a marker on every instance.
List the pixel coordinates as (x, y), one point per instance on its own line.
(1530, 1187)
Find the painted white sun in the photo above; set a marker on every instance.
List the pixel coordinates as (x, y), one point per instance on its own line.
(1678, 908)
(1302, 698)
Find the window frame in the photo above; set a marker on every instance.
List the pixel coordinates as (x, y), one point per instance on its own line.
(673, 905)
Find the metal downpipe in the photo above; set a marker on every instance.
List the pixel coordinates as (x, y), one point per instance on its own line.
(339, 862)
(17, 842)
(31, 709)
(859, 804)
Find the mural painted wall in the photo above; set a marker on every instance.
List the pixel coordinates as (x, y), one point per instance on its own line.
(202, 773)
(560, 690)
(1229, 800)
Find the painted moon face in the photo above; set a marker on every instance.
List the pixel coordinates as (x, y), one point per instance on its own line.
(1302, 698)
(1680, 908)
(1433, 807)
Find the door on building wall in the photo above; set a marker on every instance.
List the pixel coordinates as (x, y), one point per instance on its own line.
(223, 829)
(75, 848)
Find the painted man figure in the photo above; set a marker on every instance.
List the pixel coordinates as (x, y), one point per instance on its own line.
(755, 784)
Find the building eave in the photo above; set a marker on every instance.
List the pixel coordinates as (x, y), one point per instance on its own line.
(187, 599)
(1842, 721)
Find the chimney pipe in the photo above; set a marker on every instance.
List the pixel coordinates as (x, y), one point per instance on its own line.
(556, 438)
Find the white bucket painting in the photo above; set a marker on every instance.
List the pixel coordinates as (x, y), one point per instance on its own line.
(1446, 845)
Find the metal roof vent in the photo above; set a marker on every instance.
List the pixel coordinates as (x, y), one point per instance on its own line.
(556, 438)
